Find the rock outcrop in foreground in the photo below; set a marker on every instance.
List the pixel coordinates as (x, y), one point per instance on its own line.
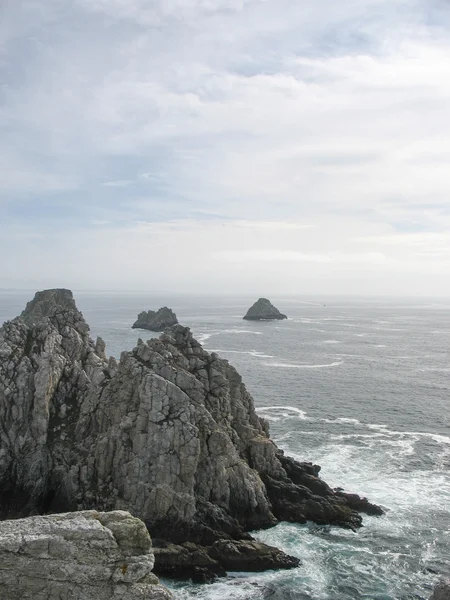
(78, 556)
(156, 320)
(170, 433)
(264, 310)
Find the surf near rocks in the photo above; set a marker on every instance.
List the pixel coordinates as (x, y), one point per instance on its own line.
(169, 432)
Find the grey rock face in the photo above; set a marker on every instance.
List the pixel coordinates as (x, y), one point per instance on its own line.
(263, 310)
(78, 556)
(156, 320)
(441, 590)
(169, 433)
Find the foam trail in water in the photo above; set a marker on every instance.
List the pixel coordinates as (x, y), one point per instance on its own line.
(300, 366)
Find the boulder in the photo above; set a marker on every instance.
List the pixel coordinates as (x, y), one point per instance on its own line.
(78, 556)
(156, 320)
(263, 310)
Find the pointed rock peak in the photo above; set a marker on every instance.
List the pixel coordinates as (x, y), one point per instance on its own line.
(156, 321)
(58, 305)
(263, 310)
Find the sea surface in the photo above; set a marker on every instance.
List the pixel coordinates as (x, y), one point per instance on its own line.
(358, 386)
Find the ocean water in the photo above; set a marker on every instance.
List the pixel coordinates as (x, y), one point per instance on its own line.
(360, 387)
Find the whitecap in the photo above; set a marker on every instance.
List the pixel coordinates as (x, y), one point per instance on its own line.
(331, 342)
(282, 365)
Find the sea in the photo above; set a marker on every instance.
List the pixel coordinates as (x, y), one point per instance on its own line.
(359, 386)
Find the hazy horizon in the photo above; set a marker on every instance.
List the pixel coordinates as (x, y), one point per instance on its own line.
(252, 147)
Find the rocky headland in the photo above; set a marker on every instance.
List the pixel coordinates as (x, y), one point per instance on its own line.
(264, 310)
(169, 433)
(156, 320)
(78, 556)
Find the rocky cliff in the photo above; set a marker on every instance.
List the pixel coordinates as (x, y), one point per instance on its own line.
(169, 432)
(156, 320)
(78, 556)
(263, 310)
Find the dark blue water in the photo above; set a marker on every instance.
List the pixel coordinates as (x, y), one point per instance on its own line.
(359, 386)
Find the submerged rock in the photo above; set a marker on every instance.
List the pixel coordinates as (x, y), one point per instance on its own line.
(156, 320)
(169, 433)
(263, 310)
(441, 590)
(78, 556)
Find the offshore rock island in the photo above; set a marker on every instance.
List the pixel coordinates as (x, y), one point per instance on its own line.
(264, 310)
(156, 320)
(169, 433)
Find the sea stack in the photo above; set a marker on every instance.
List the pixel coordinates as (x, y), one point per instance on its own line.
(156, 320)
(264, 310)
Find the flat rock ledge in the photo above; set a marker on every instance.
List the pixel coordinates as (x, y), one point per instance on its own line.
(86, 555)
(156, 320)
(264, 310)
(441, 590)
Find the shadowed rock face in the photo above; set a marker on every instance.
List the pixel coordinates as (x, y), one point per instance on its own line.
(169, 433)
(263, 310)
(78, 556)
(441, 590)
(156, 320)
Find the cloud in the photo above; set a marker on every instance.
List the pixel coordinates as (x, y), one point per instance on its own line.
(318, 129)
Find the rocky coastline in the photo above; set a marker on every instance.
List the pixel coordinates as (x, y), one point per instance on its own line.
(169, 433)
(156, 320)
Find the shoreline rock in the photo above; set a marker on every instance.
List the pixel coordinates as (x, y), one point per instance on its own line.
(78, 556)
(263, 310)
(169, 432)
(156, 320)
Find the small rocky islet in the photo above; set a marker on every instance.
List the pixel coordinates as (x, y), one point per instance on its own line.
(263, 310)
(156, 320)
(169, 433)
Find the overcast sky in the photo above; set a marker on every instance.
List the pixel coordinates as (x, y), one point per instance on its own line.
(240, 146)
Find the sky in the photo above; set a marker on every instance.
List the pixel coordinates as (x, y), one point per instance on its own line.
(226, 146)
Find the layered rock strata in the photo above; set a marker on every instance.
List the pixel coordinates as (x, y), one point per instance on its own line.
(169, 432)
(156, 320)
(78, 556)
(264, 310)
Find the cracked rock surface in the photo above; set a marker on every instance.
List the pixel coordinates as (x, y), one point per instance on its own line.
(169, 432)
(78, 556)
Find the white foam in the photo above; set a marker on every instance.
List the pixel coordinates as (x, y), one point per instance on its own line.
(250, 352)
(282, 365)
(331, 342)
(344, 420)
(283, 411)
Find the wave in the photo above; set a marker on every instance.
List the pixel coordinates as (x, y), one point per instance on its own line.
(283, 411)
(250, 352)
(282, 365)
(331, 342)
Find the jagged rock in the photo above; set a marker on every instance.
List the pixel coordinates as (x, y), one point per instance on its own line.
(78, 556)
(263, 310)
(441, 590)
(156, 320)
(245, 555)
(169, 433)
